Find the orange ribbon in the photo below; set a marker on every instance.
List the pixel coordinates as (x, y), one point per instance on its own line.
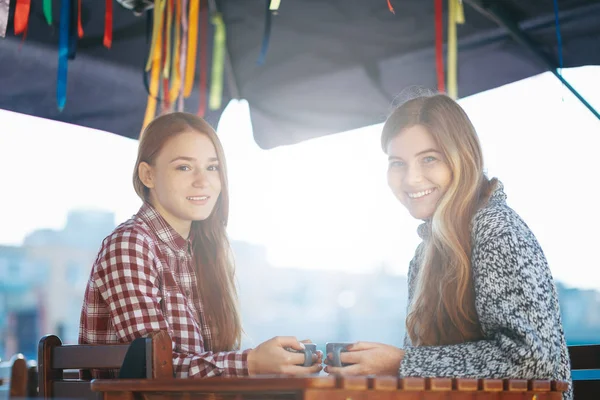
(22, 16)
(108, 23)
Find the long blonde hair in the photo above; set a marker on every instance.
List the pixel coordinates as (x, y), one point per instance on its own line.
(214, 265)
(443, 308)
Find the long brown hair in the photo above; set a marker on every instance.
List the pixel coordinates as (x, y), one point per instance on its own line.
(214, 263)
(443, 308)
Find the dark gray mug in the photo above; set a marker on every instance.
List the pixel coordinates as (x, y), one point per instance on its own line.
(335, 348)
(309, 350)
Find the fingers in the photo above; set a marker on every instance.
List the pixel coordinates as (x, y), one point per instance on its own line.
(358, 346)
(289, 341)
(351, 370)
(306, 341)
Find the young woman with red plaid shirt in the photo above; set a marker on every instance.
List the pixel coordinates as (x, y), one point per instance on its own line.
(169, 267)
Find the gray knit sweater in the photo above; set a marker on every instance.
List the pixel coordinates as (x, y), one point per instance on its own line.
(517, 305)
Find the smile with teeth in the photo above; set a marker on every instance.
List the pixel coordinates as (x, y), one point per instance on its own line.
(418, 195)
(197, 198)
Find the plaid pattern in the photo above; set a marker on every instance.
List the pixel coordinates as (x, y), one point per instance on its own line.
(142, 281)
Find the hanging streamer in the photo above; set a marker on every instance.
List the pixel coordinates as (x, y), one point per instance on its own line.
(558, 37)
(192, 48)
(455, 16)
(73, 30)
(439, 45)
(155, 78)
(175, 71)
(390, 7)
(182, 63)
(22, 16)
(4, 10)
(167, 46)
(159, 6)
(218, 64)
(204, 22)
(108, 23)
(63, 53)
(79, 25)
(266, 36)
(274, 5)
(48, 11)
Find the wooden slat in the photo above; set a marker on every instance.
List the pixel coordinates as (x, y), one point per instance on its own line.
(74, 389)
(585, 357)
(515, 385)
(467, 385)
(539, 386)
(412, 384)
(492, 385)
(352, 382)
(93, 356)
(384, 383)
(440, 384)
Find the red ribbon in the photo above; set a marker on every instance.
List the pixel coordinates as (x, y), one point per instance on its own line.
(391, 7)
(439, 45)
(108, 22)
(22, 16)
(79, 25)
(203, 62)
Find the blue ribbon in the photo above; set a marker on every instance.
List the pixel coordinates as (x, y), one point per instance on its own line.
(558, 36)
(63, 53)
(266, 35)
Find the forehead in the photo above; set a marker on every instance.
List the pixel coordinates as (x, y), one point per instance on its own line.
(411, 141)
(189, 144)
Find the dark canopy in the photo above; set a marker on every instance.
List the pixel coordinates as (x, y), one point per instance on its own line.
(331, 65)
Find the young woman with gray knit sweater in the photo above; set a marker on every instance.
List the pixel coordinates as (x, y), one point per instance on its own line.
(482, 301)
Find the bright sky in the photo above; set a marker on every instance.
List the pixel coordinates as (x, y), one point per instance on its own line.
(324, 204)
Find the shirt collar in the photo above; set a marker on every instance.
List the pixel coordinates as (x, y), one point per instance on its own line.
(161, 227)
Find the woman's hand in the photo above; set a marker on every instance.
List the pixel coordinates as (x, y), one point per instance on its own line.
(271, 357)
(367, 359)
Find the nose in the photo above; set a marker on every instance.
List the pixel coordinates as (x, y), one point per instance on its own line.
(414, 175)
(200, 180)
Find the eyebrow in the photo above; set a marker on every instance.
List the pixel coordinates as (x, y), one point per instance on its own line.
(418, 154)
(184, 158)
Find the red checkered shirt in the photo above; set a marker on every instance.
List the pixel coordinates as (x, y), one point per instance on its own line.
(144, 281)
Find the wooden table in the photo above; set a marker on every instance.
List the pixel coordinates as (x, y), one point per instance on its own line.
(328, 387)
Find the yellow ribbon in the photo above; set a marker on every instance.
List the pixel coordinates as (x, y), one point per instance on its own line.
(169, 20)
(218, 63)
(159, 6)
(274, 5)
(192, 46)
(175, 71)
(455, 16)
(155, 79)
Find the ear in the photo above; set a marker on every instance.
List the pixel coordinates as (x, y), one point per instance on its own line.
(146, 174)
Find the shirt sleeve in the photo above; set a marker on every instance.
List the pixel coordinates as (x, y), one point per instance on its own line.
(128, 281)
(517, 308)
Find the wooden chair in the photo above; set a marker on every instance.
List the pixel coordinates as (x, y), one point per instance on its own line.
(585, 358)
(13, 378)
(80, 361)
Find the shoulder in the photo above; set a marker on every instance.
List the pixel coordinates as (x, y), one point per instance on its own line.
(131, 244)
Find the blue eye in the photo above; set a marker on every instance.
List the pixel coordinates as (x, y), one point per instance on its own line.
(213, 168)
(396, 164)
(429, 159)
(184, 168)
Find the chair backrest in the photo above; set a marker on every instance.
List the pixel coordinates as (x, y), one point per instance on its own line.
(585, 358)
(13, 377)
(65, 371)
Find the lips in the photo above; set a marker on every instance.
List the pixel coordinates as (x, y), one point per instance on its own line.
(198, 198)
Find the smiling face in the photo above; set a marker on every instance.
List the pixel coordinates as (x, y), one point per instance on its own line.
(183, 181)
(418, 173)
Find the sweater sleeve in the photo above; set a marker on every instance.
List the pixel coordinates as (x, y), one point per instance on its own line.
(517, 306)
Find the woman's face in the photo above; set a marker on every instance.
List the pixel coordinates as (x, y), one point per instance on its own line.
(418, 173)
(184, 180)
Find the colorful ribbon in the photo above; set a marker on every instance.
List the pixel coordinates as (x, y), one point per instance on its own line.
(48, 11)
(79, 24)
(218, 64)
(192, 47)
(558, 37)
(175, 70)
(167, 45)
(22, 16)
(455, 16)
(155, 79)
(182, 62)
(108, 23)
(4, 10)
(63, 53)
(390, 7)
(439, 46)
(266, 36)
(204, 22)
